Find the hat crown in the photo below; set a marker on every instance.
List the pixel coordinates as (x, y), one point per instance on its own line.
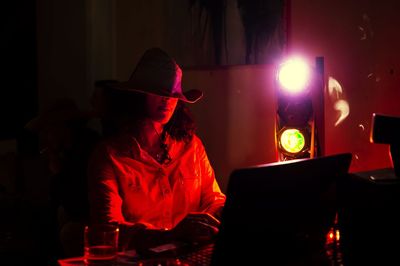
(157, 73)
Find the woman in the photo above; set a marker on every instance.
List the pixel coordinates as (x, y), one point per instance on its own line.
(153, 176)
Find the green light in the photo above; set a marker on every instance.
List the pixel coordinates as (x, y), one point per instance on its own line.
(292, 140)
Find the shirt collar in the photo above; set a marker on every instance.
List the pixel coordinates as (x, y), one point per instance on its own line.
(137, 151)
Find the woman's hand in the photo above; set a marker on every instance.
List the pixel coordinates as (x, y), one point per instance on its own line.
(196, 227)
(140, 236)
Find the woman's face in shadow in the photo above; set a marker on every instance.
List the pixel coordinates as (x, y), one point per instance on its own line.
(160, 109)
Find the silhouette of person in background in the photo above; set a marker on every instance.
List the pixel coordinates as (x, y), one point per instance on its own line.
(153, 176)
(66, 142)
(101, 102)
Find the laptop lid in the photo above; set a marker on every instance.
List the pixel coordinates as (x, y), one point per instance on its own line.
(279, 212)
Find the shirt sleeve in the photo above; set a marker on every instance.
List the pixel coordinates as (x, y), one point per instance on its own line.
(212, 199)
(104, 198)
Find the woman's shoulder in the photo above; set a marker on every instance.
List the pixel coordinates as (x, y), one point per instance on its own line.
(196, 142)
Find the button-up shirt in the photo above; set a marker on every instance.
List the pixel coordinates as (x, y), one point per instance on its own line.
(129, 185)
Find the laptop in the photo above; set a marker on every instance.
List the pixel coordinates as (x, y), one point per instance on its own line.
(280, 213)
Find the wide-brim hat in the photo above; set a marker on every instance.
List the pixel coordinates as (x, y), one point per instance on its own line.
(157, 73)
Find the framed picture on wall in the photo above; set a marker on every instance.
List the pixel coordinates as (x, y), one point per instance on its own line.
(227, 32)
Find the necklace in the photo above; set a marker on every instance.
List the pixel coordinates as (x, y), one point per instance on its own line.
(162, 156)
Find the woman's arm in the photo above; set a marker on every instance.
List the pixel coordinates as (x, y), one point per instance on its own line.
(212, 199)
(104, 198)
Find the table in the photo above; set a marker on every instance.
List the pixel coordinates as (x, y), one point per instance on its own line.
(193, 256)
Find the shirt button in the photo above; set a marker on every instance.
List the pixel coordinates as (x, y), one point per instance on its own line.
(161, 172)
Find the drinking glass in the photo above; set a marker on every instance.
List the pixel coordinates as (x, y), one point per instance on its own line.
(100, 244)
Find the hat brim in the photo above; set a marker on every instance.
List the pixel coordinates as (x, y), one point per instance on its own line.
(190, 96)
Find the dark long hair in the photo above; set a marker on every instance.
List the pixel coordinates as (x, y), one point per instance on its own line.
(126, 111)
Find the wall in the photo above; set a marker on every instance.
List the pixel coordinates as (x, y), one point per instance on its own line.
(62, 51)
(359, 42)
(234, 117)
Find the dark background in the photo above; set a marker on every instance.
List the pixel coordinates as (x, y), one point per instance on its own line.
(19, 97)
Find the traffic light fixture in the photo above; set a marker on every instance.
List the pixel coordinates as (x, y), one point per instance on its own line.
(295, 121)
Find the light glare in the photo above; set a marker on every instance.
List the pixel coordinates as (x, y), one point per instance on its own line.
(334, 88)
(294, 75)
(344, 109)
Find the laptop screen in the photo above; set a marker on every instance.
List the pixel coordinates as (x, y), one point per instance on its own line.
(280, 212)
